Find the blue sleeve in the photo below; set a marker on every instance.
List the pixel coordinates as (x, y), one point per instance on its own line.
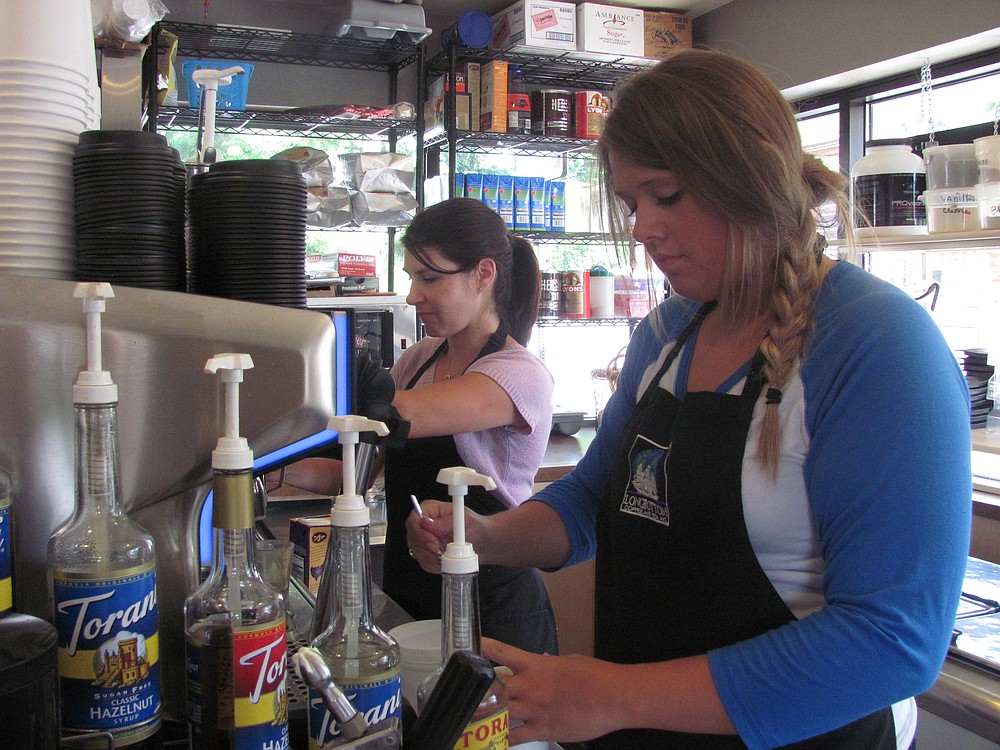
(889, 481)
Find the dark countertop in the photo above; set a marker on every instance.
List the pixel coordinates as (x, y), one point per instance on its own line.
(563, 453)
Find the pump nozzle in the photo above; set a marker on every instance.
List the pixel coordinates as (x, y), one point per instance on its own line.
(232, 452)
(349, 507)
(459, 556)
(211, 79)
(94, 385)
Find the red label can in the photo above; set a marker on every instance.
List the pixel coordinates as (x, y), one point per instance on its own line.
(573, 295)
(590, 108)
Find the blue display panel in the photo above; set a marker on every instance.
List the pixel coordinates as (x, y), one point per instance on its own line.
(289, 453)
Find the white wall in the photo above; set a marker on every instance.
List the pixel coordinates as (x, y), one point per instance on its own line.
(799, 41)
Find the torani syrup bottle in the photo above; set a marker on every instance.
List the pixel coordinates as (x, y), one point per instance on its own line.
(363, 660)
(234, 622)
(489, 725)
(6, 544)
(102, 574)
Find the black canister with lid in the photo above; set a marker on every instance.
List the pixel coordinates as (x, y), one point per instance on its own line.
(548, 300)
(552, 112)
(29, 697)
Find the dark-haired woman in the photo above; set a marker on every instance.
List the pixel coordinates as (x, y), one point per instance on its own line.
(474, 396)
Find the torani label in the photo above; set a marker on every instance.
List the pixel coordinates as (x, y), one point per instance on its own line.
(236, 685)
(6, 589)
(109, 672)
(489, 733)
(376, 700)
(261, 704)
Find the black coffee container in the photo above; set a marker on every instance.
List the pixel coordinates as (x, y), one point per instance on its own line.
(29, 698)
(548, 300)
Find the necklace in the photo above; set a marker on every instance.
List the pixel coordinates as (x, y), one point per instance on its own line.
(447, 363)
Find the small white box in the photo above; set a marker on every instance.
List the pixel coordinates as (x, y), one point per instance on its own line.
(610, 30)
(535, 26)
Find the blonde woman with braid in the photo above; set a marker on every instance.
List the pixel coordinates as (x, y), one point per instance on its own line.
(778, 497)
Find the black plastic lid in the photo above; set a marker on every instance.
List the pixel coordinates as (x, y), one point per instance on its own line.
(28, 650)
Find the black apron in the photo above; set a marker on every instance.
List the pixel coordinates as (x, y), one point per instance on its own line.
(514, 605)
(676, 574)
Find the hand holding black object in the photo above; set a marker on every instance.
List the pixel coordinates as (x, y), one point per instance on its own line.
(375, 391)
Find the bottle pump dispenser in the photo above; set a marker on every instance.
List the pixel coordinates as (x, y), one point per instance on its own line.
(235, 621)
(363, 661)
(460, 611)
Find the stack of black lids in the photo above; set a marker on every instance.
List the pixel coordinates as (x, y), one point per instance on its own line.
(977, 374)
(129, 210)
(248, 232)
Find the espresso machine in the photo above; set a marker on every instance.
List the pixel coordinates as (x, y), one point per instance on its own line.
(155, 345)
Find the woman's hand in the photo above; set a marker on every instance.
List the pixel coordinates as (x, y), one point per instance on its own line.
(575, 698)
(427, 537)
(559, 698)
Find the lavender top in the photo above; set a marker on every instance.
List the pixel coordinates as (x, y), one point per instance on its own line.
(509, 455)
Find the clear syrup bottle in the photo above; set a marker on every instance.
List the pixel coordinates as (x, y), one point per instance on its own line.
(234, 623)
(102, 575)
(460, 616)
(363, 660)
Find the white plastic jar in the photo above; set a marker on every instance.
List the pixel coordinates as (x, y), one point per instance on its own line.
(886, 184)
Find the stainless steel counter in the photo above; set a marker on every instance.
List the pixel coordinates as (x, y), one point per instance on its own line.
(967, 691)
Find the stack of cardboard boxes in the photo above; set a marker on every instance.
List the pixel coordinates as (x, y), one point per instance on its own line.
(550, 27)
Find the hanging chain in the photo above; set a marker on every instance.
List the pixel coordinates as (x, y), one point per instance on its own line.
(925, 100)
(996, 118)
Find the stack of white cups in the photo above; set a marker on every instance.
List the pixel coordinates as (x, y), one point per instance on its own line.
(48, 96)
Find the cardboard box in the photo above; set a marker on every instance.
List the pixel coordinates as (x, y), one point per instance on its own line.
(473, 86)
(310, 537)
(522, 204)
(505, 199)
(351, 264)
(665, 33)
(538, 26)
(631, 297)
(352, 285)
(491, 190)
(610, 30)
(434, 116)
(473, 185)
(555, 206)
(437, 92)
(493, 96)
(536, 204)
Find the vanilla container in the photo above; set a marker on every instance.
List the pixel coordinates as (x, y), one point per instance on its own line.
(952, 209)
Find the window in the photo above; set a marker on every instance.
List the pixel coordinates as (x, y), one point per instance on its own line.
(963, 103)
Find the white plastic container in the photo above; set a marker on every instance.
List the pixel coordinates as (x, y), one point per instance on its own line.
(420, 653)
(886, 184)
(988, 156)
(951, 166)
(988, 194)
(951, 210)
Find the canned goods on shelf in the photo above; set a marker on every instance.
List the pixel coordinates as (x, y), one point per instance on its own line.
(552, 112)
